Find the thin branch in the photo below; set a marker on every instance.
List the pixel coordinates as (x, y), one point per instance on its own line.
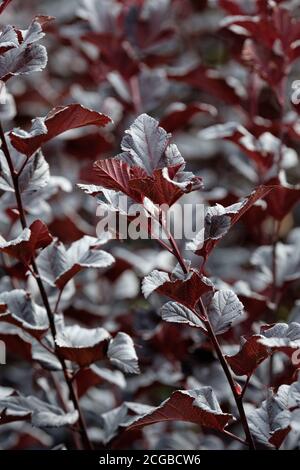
(65, 408)
(245, 386)
(58, 300)
(235, 437)
(237, 397)
(22, 167)
(43, 293)
(14, 176)
(276, 228)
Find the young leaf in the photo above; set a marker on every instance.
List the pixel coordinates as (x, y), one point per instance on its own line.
(122, 354)
(144, 144)
(8, 39)
(116, 174)
(24, 57)
(147, 167)
(223, 309)
(176, 313)
(34, 174)
(219, 220)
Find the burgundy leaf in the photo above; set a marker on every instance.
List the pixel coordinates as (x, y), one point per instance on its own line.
(57, 121)
(179, 114)
(251, 354)
(58, 266)
(30, 240)
(211, 81)
(281, 201)
(147, 167)
(186, 290)
(82, 345)
(94, 375)
(263, 150)
(255, 349)
(23, 312)
(219, 220)
(194, 406)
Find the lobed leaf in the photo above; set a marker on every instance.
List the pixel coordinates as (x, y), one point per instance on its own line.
(195, 406)
(121, 353)
(31, 239)
(57, 121)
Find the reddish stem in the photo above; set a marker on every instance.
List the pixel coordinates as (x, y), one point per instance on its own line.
(237, 397)
(43, 293)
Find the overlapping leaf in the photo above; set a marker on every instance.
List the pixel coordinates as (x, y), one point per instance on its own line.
(179, 114)
(209, 80)
(31, 239)
(263, 150)
(122, 354)
(148, 166)
(58, 265)
(19, 53)
(273, 420)
(282, 201)
(255, 349)
(22, 311)
(94, 375)
(33, 175)
(287, 258)
(82, 345)
(121, 417)
(39, 413)
(219, 220)
(185, 288)
(194, 406)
